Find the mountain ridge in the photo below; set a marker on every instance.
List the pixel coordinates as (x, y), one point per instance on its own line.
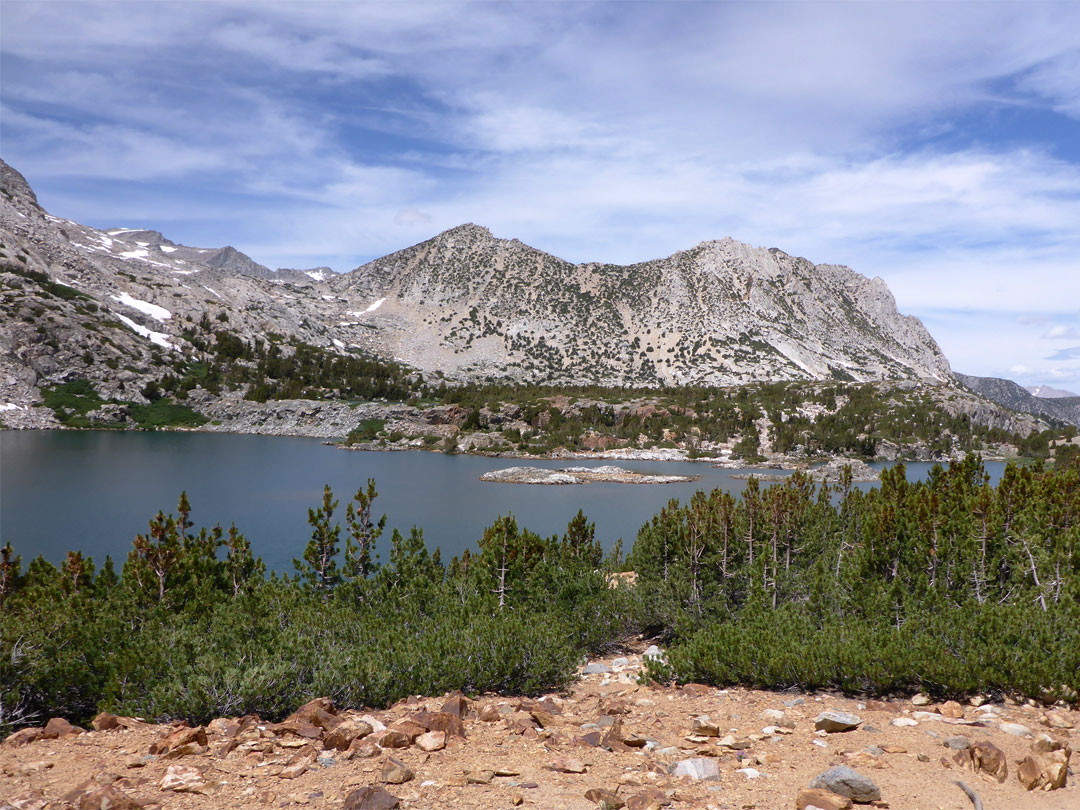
(464, 306)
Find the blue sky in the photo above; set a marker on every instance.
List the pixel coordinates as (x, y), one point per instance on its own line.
(934, 145)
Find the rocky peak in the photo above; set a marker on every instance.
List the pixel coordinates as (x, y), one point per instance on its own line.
(16, 190)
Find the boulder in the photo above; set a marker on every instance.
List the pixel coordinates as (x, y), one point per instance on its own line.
(440, 721)
(650, 798)
(23, 736)
(431, 741)
(1056, 719)
(370, 798)
(392, 738)
(181, 742)
(833, 722)
(105, 722)
(395, 772)
(984, 757)
(1044, 771)
(847, 782)
(344, 734)
(109, 797)
(457, 705)
(697, 768)
(319, 712)
(567, 765)
(821, 799)
(59, 727)
(951, 708)
(704, 725)
(183, 779)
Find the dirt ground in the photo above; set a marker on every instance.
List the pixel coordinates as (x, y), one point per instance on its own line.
(763, 759)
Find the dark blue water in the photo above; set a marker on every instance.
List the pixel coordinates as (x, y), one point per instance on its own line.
(94, 491)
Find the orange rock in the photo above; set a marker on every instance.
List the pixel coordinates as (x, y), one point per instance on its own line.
(821, 798)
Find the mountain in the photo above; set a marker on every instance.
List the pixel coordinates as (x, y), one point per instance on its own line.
(1014, 396)
(722, 313)
(1046, 392)
(123, 306)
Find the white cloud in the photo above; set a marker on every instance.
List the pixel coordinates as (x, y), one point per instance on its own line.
(594, 131)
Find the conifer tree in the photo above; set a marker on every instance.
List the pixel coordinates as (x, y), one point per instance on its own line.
(319, 566)
(363, 534)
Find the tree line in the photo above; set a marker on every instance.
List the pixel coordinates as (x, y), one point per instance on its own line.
(951, 585)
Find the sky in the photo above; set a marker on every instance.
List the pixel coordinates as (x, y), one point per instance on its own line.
(934, 145)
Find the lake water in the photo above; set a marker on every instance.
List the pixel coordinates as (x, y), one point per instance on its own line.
(94, 491)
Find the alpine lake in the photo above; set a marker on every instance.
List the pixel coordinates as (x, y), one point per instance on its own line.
(93, 491)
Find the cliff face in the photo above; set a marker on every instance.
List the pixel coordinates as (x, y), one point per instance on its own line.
(113, 306)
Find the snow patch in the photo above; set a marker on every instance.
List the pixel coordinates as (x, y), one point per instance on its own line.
(167, 248)
(160, 338)
(318, 275)
(145, 307)
(374, 306)
(11, 406)
(115, 231)
(185, 272)
(215, 292)
(141, 253)
(339, 344)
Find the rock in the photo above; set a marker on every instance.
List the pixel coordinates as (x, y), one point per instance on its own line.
(181, 742)
(319, 712)
(410, 728)
(105, 722)
(109, 797)
(957, 743)
(704, 726)
(183, 779)
(920, 700)
(543, 719)
(697, 768)
(59, 727)
(834, 722)
(296, 769)
(1015, 729)
(621, 663)
(391, 738)
(345, 733)
(23, 737)
(370, 798)
(984, 757)
(489, 714)
(481, 777)
(951, 708)
(362, 749)
(903, 721)
(1055, 719)
(431, 741)
(598, 668)
(749, 773)
(395, 772)
(821, 799)
(440, 721)
(606, 799)
(653, 652)
(1046, 771)
(648, 799)
(847, 782)
(567, 765)
(775, 715)
(458, 705)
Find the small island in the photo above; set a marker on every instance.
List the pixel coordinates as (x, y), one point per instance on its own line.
(830, 472)
(580, 475)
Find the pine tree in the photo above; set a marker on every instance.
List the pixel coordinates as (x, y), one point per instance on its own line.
(363, 534)
(319, 566)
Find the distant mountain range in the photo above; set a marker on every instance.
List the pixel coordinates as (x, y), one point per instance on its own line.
(1046, 392)
(464, 305)
(1014, 396)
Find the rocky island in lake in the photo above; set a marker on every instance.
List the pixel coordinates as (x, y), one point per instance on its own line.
(607, 474)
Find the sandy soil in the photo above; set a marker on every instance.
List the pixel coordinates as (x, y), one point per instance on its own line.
(914, 770)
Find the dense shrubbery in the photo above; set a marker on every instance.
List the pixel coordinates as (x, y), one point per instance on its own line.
(950, 585)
